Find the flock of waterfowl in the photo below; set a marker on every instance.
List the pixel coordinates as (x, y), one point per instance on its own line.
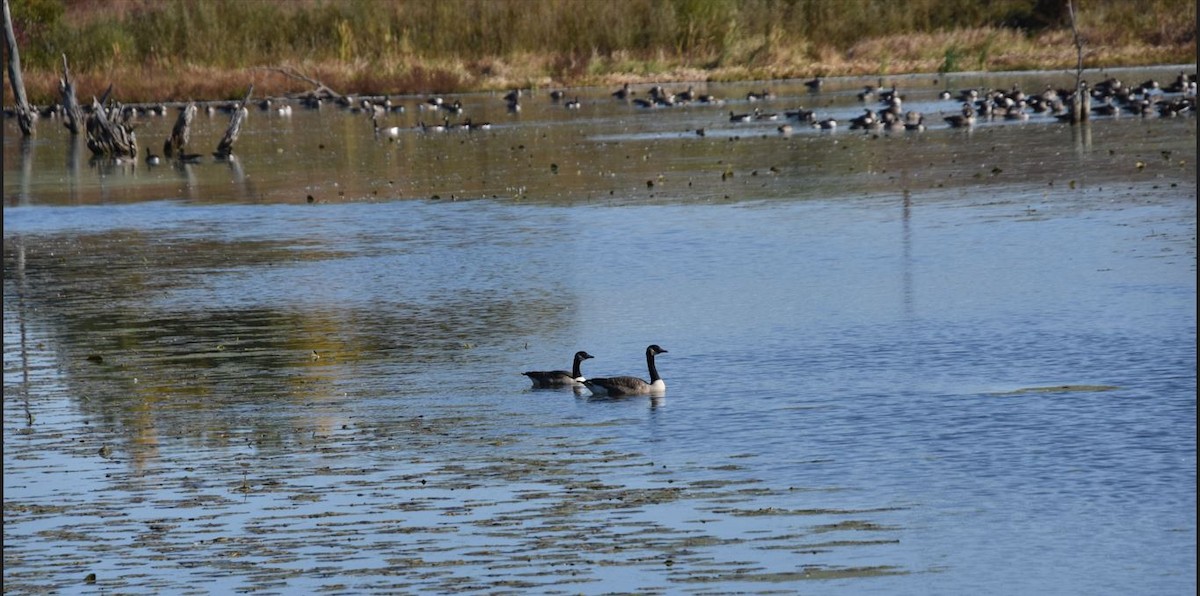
(1108, 98)
(618, 386)
(883, 109)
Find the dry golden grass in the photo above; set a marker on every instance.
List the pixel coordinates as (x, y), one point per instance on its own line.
(174, 50)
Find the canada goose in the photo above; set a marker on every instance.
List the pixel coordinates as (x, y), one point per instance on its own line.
(801, 114)
(614, 386)
(572, 104)
(963, 120)
(389, 131)
(814, 85)
(914, 121)
(739, 117)
(151, 158)
(869, 119)
(623, 93)
(557, 95)
(544, 379)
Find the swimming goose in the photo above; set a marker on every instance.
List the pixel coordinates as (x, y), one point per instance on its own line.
(615, 386)
(388, 131)
(573, 104)
(545, 379)
(623, 93)
(962, 120)
(151, 158)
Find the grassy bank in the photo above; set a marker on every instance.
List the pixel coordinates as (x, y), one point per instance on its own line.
(156, 50)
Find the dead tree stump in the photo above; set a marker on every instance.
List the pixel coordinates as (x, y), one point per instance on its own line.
(225, 147)
(181, 133)
(74, 115)
(26, 115)
(110, 132)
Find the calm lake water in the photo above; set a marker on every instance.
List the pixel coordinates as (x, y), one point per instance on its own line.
(948, 362)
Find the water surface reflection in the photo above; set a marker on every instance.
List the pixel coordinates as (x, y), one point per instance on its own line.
(892, 367)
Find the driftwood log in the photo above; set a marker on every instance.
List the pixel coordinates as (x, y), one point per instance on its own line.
(175, 144)
(313, 98)
(73, 119)
(26, 115)
(110, 131)
(225, 147)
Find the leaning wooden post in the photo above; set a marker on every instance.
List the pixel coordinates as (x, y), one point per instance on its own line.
(225, 147)
(1081, 103)
(26, 116)
(74, 115)
(181, 133)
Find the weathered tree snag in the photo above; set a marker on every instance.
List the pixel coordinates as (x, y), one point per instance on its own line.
(181, 133)
(74, 115)
(225, 147)
(26, 116)
(110, 132)
(1081, 100)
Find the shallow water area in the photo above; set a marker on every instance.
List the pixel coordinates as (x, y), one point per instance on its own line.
(954, 361)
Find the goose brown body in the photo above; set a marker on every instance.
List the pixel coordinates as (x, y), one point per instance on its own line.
(546, 379)
(628, 385)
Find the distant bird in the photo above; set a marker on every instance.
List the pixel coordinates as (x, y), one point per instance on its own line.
(740, 117)
(758, 115)
(801, 114)
(572, 104)
(557, 95)
(826, 124)
(618, 386)
(513, 96)
(763, 96)
(914, 121)
(546, 379)
(814, 85)
(869, 119)
(785, 129)
(623, 93)
(388, 131)
(963, 120)
(151, 158)
(478, 125)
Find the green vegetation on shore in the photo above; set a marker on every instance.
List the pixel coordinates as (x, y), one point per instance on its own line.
(154, 50)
